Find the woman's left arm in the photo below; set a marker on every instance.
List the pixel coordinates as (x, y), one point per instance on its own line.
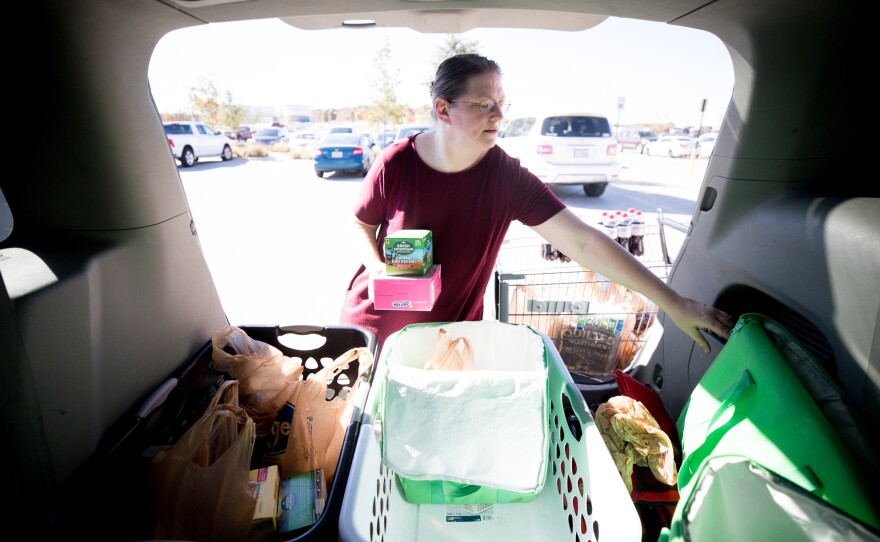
(594, 250)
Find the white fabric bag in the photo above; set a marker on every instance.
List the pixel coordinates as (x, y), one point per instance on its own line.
(487, 426)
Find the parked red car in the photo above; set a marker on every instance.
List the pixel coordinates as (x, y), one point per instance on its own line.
(242, 134)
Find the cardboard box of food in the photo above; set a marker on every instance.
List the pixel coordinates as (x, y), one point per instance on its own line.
(401, 293)
(301, 500)
(268, 482)
(408, 252)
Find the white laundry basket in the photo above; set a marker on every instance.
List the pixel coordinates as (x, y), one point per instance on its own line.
(583, 498)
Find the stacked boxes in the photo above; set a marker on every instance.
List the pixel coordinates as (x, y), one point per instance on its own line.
(408, 252)
(411, 282)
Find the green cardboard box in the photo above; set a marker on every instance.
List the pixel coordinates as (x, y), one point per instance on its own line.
(301, 500)
(408, 252)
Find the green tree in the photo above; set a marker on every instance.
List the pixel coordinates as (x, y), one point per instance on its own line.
(203, 99)
(233, 115)
(453, 45)
(385, 108)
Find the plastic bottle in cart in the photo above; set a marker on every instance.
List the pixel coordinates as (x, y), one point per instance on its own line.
(624, 231)
(610, 226)
(637, 237)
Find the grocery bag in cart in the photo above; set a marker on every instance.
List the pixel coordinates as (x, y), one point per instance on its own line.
(466, 436)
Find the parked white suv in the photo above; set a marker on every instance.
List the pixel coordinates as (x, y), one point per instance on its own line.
(565, 148)
(190, 141)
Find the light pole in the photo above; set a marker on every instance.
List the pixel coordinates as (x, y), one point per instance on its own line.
(620, 101)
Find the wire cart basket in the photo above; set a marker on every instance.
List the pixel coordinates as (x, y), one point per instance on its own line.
(596, 325)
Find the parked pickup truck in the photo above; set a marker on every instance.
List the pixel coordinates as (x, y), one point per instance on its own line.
(242, 134)
(190, 141)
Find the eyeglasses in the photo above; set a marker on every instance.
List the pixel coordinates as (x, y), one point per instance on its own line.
(488, 106)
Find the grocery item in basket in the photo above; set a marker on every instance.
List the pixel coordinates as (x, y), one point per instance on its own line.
(408, 252)
(634, 438)
(588, 349)
(467, 429)
(266, 376)
(315, 423)
(200, 485)
(627, 348)
(301, 500)
(451, 354)
(267, 480)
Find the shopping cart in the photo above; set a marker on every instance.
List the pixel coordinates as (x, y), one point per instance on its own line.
(596, 324)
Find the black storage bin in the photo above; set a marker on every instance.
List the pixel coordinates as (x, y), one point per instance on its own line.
(108, 499)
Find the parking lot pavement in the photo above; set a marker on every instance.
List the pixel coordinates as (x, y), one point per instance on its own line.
(275, 236)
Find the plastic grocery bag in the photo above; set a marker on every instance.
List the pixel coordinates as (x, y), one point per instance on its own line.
(451, 354)
(266, 376)
(201, 489)
(319, 418)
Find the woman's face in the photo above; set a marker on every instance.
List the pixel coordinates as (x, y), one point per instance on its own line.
(469, 124)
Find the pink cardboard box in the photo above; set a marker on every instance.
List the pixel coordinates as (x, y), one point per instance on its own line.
(407, 293)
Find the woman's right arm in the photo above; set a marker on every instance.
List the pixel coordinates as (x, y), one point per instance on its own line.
(367, 250)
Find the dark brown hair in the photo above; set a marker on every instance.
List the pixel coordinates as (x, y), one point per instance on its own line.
(454, 73)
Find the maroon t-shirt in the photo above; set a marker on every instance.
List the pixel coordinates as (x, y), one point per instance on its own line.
(468, 213)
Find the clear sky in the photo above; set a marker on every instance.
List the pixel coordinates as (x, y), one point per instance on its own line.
(662, 72)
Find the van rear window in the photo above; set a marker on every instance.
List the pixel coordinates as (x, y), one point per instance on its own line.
(576, 126)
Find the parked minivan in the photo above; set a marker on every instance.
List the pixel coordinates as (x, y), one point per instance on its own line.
(106, 296)
(565, 148)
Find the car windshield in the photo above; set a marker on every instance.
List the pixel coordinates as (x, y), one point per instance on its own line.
(576, 126)
(647, 133)
(268, 132)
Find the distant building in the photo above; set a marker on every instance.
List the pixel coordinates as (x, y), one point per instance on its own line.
(291, 115)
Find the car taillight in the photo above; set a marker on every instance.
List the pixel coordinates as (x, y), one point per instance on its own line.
(316, 153)
(171, 142)
(544, 150)
(357, 151)
(611, 150)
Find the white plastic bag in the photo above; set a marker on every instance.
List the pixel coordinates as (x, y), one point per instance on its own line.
(486, 427)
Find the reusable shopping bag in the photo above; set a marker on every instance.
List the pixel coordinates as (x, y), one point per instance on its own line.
(474, 436)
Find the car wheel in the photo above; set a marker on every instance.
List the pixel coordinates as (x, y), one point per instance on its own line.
(647, 151)
(364, 170)
(640, 148)
(227, 153)
(319, 173)
(187, 158)
(619, 148)
(671, 154)
(594, 190)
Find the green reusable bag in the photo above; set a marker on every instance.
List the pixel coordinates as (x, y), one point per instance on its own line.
(750, 403)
